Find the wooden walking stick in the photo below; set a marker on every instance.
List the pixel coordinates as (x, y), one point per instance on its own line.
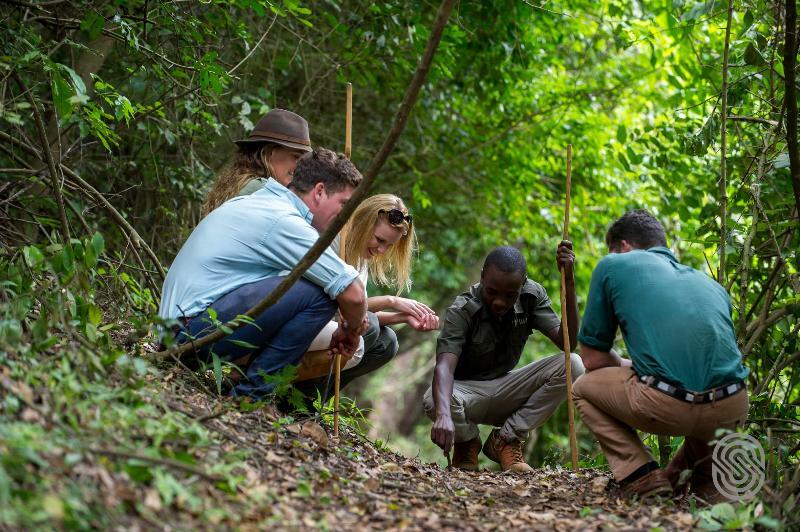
(348, 150)
(573, 442)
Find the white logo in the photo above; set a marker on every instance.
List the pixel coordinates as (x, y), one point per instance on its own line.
(738, 467)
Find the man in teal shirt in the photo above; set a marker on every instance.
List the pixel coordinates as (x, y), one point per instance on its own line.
(243, 249)
(684, 376)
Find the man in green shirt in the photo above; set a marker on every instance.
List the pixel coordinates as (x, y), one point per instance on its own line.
(484, 333)
(684, 376)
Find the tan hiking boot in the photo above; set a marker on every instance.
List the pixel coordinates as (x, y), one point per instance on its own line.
(465, 454)
(653, 484)
(707, 493)
(506, 453)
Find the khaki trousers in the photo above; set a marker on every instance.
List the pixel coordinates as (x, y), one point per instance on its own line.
(613, 403)
(520, 400)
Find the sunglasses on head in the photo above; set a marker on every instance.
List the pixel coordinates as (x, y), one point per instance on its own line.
(396, 216)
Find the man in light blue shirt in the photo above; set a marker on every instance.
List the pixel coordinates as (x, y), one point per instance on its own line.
(241, 251)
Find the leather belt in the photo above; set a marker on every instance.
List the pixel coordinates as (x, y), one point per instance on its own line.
(688, 396)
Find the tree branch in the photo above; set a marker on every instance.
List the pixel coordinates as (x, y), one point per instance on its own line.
(51, 163)
(790, 97)
(723, 171)
(324, 241)
(92, 192)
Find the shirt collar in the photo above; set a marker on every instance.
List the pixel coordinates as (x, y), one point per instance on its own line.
(282, 192)
(660, 250)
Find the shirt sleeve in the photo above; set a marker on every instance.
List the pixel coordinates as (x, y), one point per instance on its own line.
(454, 331)
(541, 316)
(599, 325)
(290, 239)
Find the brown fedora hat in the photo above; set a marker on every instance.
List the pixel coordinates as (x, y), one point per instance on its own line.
(280, 127)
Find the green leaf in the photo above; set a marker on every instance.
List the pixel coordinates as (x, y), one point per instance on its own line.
(622, 134)
(92, 25)
(33, 256)
(217, 372)
(61, 95)
(98, 243)
(242, 343)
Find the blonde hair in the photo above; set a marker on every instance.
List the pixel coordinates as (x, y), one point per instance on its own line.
(392, 268)
(248, 163)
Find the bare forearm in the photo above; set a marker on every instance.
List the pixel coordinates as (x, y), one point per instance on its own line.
(379, 303)
(391, 318)
(595, 359)
(353, 304)
(442, 389)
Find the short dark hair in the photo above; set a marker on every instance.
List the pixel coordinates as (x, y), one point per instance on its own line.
(321, 165)
(507, 259)
(639, 228)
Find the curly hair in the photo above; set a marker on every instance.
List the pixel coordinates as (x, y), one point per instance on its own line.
(321, 165)
(250, 161)
(639, 228)
(392, 268)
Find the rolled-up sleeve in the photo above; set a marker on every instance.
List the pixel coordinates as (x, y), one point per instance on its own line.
(454, 331)
(290, 239)
(599, 325)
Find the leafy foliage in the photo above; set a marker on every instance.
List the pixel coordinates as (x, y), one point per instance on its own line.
(139, 102)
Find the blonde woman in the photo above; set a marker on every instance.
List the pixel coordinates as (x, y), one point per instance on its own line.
(379, 241)
(271, 150)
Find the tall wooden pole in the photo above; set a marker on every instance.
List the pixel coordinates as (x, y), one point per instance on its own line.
(573, 442)
(348, 150)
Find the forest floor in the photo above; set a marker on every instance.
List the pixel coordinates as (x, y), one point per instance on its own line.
(307, 479)
(146, 449)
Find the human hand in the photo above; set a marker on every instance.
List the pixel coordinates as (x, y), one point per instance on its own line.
(412, 307)
(443, 432)
(565, 257)
(429, 322)
(343, 343)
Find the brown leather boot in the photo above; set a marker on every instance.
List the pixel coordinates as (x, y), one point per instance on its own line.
(506, 453)
(465, 454)
(655, 483)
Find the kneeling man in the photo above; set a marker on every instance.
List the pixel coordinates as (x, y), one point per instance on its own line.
(242, 250)
(684, 377)
(484, 333)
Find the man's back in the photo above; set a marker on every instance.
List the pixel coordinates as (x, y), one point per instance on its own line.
(245, 240)
(675, 320)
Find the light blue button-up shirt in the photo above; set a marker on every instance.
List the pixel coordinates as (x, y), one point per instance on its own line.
(247, 239)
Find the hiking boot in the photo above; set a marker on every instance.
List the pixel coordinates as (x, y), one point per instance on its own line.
(465, 454)
(506, 453)
(707, 493)
(655, 483)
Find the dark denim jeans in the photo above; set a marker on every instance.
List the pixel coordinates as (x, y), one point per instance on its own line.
(281, 334)
(380, 347)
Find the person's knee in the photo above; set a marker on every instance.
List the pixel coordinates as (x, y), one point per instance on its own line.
(388, 338)
(372, 334)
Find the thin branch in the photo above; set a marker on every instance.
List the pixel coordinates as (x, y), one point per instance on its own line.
(175, 464)
(251, 52)
(51, 163)
(753, 119)
(790, 97)
(358, 196)
(723, 177)
(93, 193)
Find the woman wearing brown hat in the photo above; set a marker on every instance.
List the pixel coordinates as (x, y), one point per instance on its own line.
(271, 150)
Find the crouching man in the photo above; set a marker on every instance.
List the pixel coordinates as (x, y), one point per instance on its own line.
(482, 339)
(684, 377)
(240, 252)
